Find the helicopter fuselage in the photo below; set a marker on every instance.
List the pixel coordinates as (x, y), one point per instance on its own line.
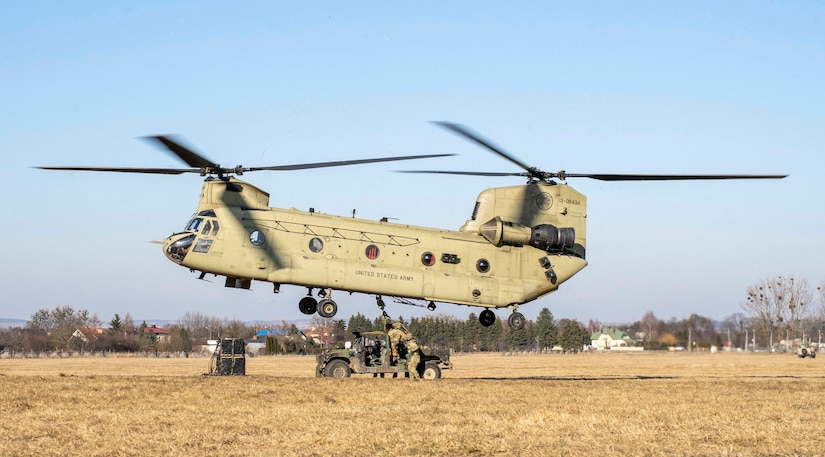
(521, 243)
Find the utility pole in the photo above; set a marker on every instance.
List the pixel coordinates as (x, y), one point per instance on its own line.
(690, 339)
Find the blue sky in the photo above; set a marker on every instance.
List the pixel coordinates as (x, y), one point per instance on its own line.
(589, 87)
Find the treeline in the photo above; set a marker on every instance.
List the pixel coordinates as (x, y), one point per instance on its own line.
(778, 312)
(66, 329)
(448, 333)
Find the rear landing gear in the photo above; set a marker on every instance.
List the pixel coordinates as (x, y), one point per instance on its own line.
(487, 318)
(516, 321)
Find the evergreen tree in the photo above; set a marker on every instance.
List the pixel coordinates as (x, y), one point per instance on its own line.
(339, 330)
(116, 325)
(573, 335)
(546, 329)
(359, 323)
(517, 339)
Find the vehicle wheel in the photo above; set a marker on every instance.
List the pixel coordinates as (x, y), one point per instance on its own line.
(327, 308)
(431, 371)
(813, 355)
(487, 318)
(308, 305)
(337, 369)
(804, 352)
(516, 321)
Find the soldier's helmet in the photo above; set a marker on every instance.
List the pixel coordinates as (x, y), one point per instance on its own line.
(396, 324)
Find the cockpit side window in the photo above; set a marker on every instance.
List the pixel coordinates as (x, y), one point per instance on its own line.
(206, 228)
(215, 228)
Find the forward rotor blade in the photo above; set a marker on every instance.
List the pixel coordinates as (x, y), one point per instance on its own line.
(190, 157)
(339, 163)
(157, 171)
(464, 173)
(474, 137)
(657, 177)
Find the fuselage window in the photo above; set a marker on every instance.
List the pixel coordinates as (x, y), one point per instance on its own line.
(256, 237)
(372, 252)
(316, 245)
(483, 265)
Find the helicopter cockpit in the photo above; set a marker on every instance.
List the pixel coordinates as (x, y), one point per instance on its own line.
(204, 224)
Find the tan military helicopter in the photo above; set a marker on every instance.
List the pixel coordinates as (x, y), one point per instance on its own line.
(520, 243)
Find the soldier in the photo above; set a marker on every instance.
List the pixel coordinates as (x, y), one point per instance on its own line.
(396, 336)
(415, 357)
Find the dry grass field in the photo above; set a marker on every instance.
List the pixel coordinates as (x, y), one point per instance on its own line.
(642, 404)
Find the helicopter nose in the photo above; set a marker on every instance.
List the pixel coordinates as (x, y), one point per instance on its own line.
(177, 246)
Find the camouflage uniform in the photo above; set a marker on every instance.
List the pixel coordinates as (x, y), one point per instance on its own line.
(415, 358)
(396, 335)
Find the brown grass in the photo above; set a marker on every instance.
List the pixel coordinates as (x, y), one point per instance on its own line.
(588, 404)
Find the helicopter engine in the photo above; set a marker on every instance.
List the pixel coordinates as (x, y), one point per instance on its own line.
(544, 236)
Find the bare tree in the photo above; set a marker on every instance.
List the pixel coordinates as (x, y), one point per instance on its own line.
(649, 325)
(59, 324)
(779, 302)
(798, 303)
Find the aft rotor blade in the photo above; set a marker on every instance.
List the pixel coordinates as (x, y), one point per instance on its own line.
(476, 138)
(157, 171)
(340, 163)
(190, 157)
(658, 177)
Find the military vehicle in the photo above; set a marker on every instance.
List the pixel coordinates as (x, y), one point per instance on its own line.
(806, 350)
(371, 353)
(520, 243)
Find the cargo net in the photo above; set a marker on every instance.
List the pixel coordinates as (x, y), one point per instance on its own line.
(229, 358)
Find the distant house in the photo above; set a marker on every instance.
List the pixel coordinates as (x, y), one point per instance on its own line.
(263, 333)
(610, 338)
(161, 334)
(321, 336)
(87, 334)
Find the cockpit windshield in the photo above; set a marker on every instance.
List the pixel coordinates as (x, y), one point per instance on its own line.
(194, 224)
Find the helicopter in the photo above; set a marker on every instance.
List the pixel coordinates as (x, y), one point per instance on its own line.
(521, 242)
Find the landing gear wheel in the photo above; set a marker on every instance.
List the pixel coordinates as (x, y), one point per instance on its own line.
(431, 306)
(308, 305)
(337, 369)
(487, 318)
(431, 371)
(516, 321)
(327, 308)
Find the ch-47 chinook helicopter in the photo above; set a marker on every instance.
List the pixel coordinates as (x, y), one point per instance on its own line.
(520, 243)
